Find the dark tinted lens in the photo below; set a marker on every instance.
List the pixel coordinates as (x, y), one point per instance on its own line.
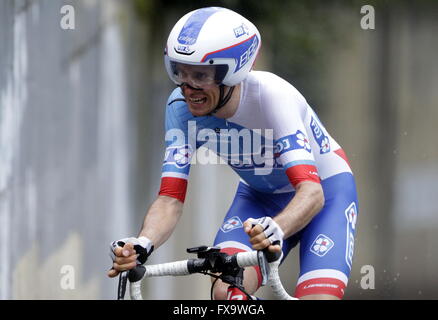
(221, 72)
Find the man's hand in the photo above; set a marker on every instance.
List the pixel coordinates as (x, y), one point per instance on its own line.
(263, 232)
(125, 258)
(128, 253)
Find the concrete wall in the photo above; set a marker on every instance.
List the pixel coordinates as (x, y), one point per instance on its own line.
(64, 148)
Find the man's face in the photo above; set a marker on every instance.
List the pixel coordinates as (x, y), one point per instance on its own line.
(200, 90)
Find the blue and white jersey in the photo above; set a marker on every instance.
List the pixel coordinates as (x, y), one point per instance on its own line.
(274, 140)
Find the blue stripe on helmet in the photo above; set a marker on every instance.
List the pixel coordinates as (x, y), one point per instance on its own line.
(241, 52)
(190, 32)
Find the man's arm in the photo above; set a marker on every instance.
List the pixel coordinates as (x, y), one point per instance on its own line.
(158, 225)
(161, 219)
(307, 202)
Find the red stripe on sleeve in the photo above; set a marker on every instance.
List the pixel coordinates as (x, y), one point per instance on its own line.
(173, 187)
(302, 172)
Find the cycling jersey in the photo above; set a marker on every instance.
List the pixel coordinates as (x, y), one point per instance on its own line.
(273, 142)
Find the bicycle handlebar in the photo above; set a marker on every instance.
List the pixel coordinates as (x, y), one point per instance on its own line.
(190, 266)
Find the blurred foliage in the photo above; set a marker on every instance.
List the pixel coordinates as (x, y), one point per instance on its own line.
(295, 34)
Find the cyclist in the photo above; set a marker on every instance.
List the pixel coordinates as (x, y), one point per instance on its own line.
(306, 194)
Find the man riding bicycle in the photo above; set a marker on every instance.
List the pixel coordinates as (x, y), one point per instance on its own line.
(306, 194)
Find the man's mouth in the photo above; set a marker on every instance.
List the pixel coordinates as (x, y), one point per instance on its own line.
(197, 100)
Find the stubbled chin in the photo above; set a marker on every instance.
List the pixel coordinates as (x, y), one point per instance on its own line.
(199, 110)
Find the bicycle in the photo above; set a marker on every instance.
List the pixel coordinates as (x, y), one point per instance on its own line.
(211, 261)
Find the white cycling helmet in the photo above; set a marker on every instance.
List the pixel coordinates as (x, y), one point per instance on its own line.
(217, 37)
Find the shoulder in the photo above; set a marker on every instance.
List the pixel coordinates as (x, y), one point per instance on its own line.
(272, 85)
(176, 100)
(176, 105)
(178, 115)
(275, 92)
(177, 112)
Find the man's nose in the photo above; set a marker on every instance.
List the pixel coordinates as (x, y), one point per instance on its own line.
(186, 86)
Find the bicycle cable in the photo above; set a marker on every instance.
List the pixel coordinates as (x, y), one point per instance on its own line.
(230, 283)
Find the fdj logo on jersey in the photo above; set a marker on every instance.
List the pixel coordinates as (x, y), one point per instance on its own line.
(351, 216)
(231, 224)
(320, 137)
(292, 142)
(321, 245)
(179, 156)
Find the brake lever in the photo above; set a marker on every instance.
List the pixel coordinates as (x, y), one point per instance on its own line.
(264, 258)
(132, 275)
(121, 289)
(272, 256)
(264, 266)
(137, 273)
